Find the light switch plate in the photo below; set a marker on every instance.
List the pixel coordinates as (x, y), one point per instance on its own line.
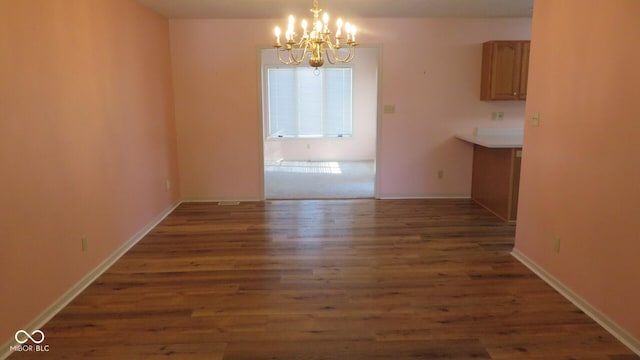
(535, 119)
(389, 109)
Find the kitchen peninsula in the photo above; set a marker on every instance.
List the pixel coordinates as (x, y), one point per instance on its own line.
(495, 180)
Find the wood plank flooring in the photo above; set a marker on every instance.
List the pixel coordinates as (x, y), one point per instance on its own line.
(325, 279)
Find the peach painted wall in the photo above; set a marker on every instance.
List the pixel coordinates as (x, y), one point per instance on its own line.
(580, 172)
(88, 140)
(430, 72)
(217, 109)
(360, 146)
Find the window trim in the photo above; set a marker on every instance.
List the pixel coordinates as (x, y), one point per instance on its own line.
(266, 105)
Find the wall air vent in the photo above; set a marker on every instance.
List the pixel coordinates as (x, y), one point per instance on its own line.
(228, 203)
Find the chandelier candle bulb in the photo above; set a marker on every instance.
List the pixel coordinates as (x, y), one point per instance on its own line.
(277, 32)
(290, 32)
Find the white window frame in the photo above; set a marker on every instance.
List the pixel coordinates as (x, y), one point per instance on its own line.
(321, 128)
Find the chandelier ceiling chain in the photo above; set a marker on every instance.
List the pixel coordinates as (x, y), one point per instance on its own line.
(316, 43)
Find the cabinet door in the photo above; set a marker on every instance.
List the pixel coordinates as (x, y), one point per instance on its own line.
(491, 179)
(505, 70)
(504, 63)
(495, 181)
(524, 71)
(515, 182)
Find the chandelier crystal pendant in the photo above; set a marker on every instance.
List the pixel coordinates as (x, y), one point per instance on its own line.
(316, 43)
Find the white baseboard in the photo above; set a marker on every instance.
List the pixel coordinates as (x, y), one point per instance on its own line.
(212, 200)
(405, 197)
(67, 297)
(418, 197)
(611, 326)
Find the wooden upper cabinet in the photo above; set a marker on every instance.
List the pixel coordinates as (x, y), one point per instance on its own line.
(505, 65)
(524, 70)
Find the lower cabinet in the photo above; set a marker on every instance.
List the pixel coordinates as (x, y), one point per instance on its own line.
(496, 180)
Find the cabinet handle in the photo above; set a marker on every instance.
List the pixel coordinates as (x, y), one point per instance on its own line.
(515, 93)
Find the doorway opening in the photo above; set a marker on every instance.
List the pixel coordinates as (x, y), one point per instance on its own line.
(320, 128)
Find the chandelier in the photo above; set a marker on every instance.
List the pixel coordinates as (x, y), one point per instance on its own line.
(316, 43)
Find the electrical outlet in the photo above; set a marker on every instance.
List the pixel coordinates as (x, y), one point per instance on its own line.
(501, 115)
(556, 244)
(494, 116)
(85, 243)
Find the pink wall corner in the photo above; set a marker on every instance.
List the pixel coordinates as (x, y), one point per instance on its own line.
(434, 84)
(580, 176)
(88, 142)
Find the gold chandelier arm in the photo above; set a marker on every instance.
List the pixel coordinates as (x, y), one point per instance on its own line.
(330, 59)
(301, 54)
(290, 59)
(333, 54)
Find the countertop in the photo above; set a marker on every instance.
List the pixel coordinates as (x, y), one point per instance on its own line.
(495, 137)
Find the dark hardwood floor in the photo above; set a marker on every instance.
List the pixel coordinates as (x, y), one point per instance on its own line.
(331, 279)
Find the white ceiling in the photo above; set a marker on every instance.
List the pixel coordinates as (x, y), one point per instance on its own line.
(254, 9)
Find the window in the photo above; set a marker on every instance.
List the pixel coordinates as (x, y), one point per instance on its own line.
(302, 102)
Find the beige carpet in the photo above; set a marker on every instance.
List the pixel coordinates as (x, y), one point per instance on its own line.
(319, 179)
